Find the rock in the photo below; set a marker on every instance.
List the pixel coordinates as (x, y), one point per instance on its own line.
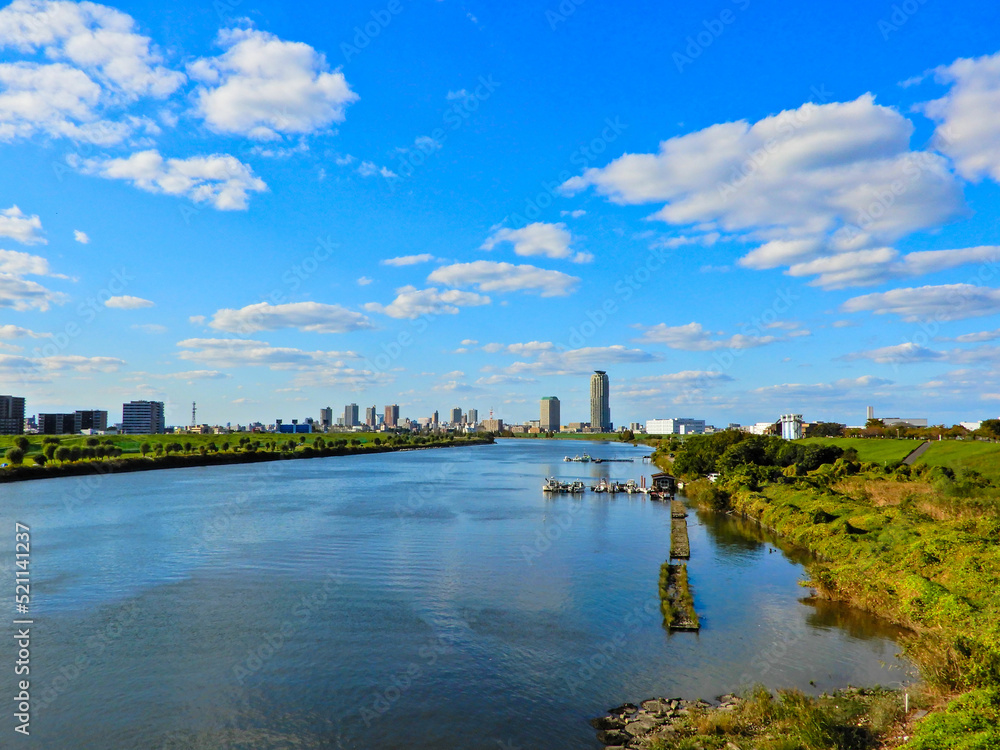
(613, 737)
(640, 726)
(624, 708)
(653, 705)
(607, 722)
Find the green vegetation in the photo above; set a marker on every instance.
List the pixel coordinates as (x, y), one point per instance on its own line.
(49, 455)
(962, 454)
(868, 449)
(846, 720)
(679, 543)
(914, 544)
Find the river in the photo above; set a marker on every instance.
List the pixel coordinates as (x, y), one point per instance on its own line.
(423, 599)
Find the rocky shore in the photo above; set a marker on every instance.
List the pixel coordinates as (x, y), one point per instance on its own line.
(631, 727)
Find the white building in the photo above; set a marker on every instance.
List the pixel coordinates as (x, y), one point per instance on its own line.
(675, 426)
(791, 426)
(972, 426)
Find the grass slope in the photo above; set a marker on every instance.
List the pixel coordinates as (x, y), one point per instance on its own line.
(965, 454)
(870, 449)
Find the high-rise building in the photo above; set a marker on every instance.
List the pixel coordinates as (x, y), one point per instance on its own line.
(456, 416)
(550, 414)
(351, 415)
(392, 416)
(55, 424)
(600, 403)
(371, 416)
(326, 418)
(472, 417)
(11, 415)
(493, 425)
(871, 413)
(434, 419)
(90, 419)
(142, 418)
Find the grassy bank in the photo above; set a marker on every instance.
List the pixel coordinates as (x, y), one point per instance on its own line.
(870, 449)
(965, 454)
(110, 458)
(916, 545)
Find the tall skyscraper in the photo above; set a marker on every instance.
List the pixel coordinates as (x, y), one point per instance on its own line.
(11, 415)
(550, 414)
(600, 404)
(371, 416)
(392, 416)
(326, 418)
(351, 415)
(142, 418)
(456, 416)
(434, 419)
(472, 417)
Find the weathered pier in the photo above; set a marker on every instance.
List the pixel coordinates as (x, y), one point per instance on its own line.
(677, 509)
(676, 601)
(680, 546)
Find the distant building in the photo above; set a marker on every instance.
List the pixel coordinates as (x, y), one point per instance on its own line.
(392, 416)
(326, 418)
(472, 417)
(762, 428)
(791, 426)
(11, 415)
(434, 419)
(637, 427)
(493, 425)
(351, 415)
(295, 429)
(90, 419)
(870, 414)
(675, 426)
(371, 416)
(898, 422)
(55, 424)
(972, 426)
(551, 420)
(142, 418)
(600, 402)
(578, 426)
(456, 416)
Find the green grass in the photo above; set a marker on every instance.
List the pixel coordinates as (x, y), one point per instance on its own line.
(965, 454)
(871, 449)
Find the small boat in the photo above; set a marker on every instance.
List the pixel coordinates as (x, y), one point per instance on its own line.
(577, 487)
(601, 486)
(631, 486)
(552, 485)
(585, 458)
(567, 459)
(616, 487)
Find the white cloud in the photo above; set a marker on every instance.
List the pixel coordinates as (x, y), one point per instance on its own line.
(527, 349)
(810, 182)
(186, 375)
(220, 179)
(93, 37)
(469, 342)
(81, 237)
(693, 337)
(490, 276)
(574, 361)
(10, 332)
(313, 317)
(225, 353)
(16, 225)
(152, 328)
(686, 377)
(411, 302)
(576, 214)
(969, 116)
(408, 260)
(127, 302)
(548, 240)
(19, 293)
(838, 389)
(945, 302)
(264, 87)
(898, 354)
(364, 281)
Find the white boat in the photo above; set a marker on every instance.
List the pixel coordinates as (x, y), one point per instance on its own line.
(577, 486)
(601, 486)
(631, 486)
(551, 485)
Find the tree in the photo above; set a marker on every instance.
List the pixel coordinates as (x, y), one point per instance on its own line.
(187, 447)
(22, 443)
(874, 424)
(63, 454)
(144, 448)
(990, 428)
(49, 450)
(15, 455)
(40, 459)
(627, 436)
(92, 441)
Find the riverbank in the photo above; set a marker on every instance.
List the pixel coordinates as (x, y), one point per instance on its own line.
(914, 545)
(126, 464)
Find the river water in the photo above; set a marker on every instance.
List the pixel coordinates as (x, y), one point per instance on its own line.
(425, 599)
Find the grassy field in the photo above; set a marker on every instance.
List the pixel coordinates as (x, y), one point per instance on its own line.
(871, 449)
(965, 454)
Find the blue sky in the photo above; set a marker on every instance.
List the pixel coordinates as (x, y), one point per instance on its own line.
(735, 208)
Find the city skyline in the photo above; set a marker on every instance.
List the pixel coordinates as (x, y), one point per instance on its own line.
(730, 241)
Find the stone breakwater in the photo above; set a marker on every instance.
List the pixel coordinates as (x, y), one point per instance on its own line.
(631, 727)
